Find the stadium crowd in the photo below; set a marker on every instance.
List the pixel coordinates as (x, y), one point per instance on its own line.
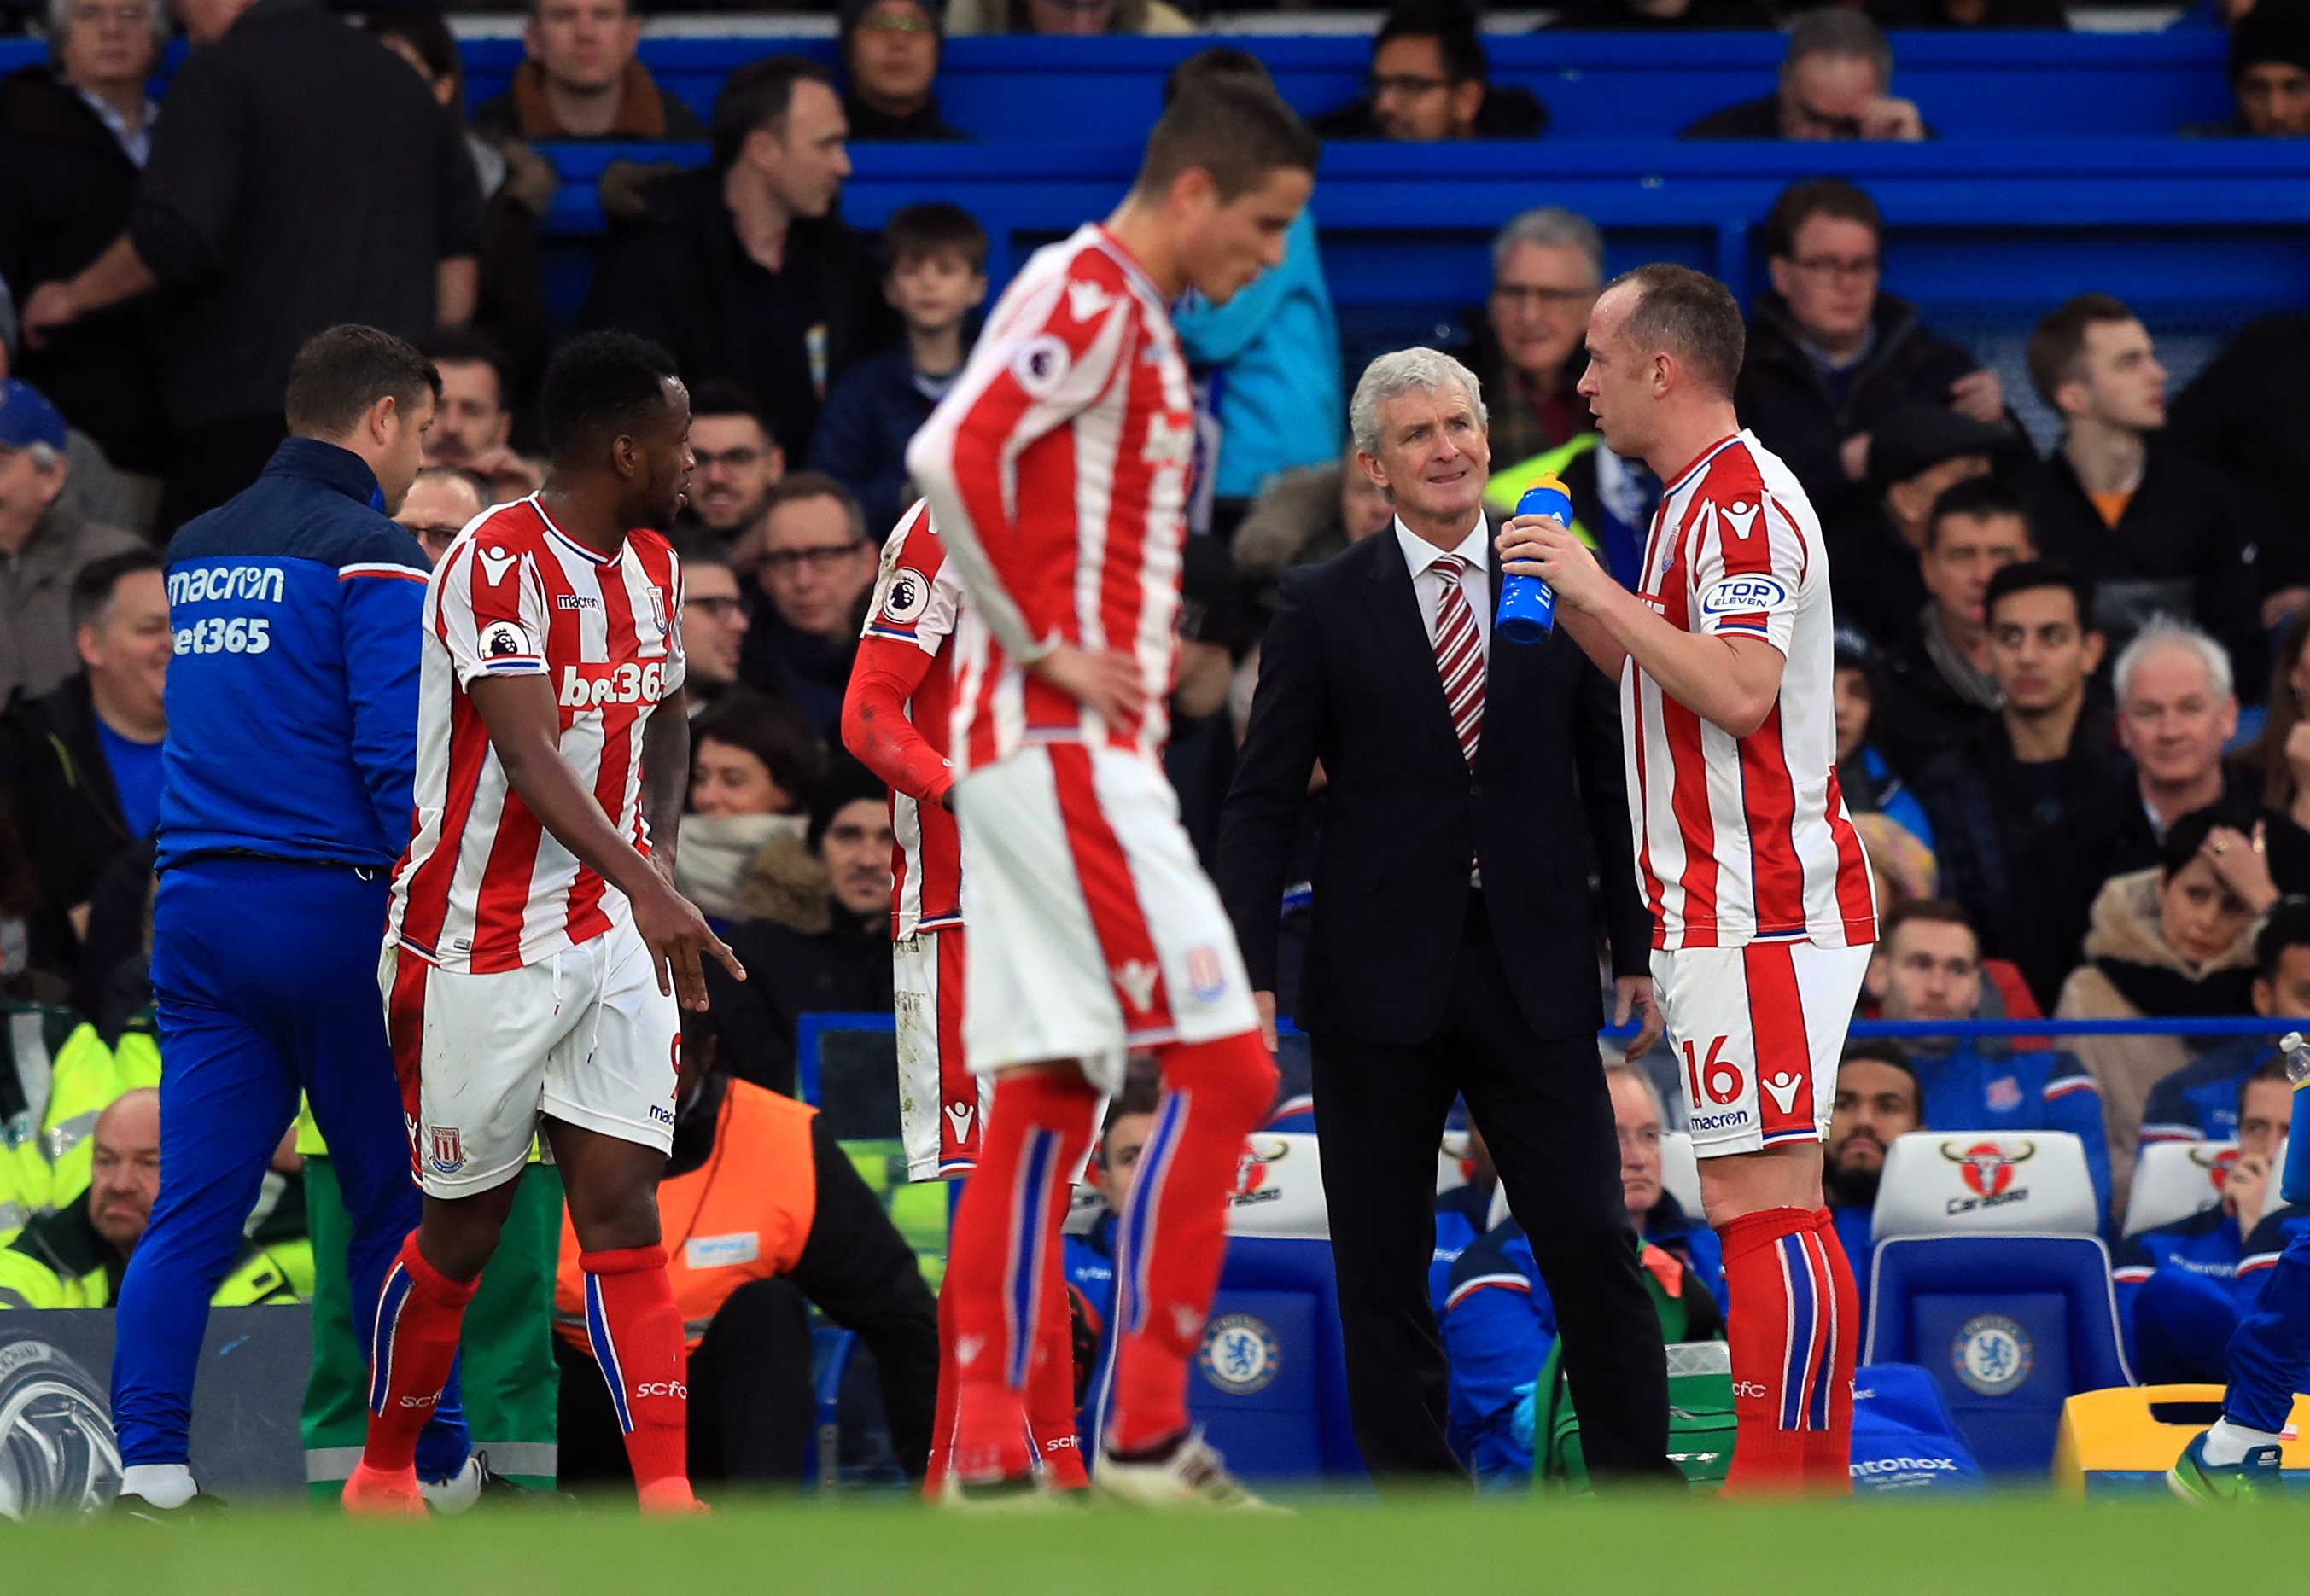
(2070, 686)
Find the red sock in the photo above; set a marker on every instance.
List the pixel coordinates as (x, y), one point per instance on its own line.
(1051, 1387)
(412, 1345)
(636, 1334)
(942, 1456)
(1173, 1235)
(1003, 1261)
(1829, 1453)
(1788, 1335)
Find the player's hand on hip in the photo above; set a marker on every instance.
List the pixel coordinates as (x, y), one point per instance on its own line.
(1544, 547)
(1108, 681)
(678, 937)
(1633, 995)
(1265, 1001)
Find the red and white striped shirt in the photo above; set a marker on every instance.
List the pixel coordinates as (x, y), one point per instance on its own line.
(917, 601)
(484, 887)
(1057, 468)
(1741, 840)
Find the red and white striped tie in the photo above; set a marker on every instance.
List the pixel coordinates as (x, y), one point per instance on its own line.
(1459, 655)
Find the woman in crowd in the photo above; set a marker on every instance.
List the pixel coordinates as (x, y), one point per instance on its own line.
(753, 770)
(2169, 942)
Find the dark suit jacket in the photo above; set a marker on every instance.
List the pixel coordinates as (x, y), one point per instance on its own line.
(1348, 676)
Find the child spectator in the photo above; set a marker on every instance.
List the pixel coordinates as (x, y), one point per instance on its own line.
(1870, 785)
(937, 277)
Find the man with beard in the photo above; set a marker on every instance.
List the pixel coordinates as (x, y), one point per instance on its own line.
(1878, 1099)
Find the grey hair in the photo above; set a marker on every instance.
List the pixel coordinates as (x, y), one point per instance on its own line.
(2163, 631)
(1833, 30)
(156, 17)
(1644, 1078)
(1552, 227)
(1393, 375)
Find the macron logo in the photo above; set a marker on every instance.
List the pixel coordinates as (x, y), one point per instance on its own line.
(1784, 1088)
(1086, 300)
(495, 563)
(1742, 516)
(1137, 979)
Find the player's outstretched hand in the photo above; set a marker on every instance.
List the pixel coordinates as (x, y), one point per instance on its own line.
(677, 936)
(1108, 681)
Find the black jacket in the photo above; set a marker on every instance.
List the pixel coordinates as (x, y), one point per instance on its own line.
(1507, 112)
(1748, 119)
(1348, 676)
(680, 276)
(65, 187)
(301, 175)
(1620, 17)
(60, 785)
(869, 126)
(2247, 415)
(1783, 399)
(2184, 547)
(1917, 717)
(855, 1268)
(2025, 873)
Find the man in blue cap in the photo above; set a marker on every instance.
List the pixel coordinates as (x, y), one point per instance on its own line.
(44, 539)
(292, 722)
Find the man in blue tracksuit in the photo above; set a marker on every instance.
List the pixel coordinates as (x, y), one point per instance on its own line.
(289, 773)
(1927, 966)
(2198, 1101)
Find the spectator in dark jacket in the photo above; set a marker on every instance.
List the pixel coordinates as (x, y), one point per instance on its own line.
(2199, 1102)
(1627, 16)
(1936, 684)
(44, 539)
(1968, 14)
(81, 765)
(1429, 82)
(816, 567)
(2000, 801)
(2152, 528)
(1524, 345)
(937, 280)
(582, 80)
(890, 51)
(2243, 416)
(1834, 84)
(820, 937)
(2269, 74)
(742, 269)
(1830, 355)
(288, 136)
(74, 135)
(1877, 544)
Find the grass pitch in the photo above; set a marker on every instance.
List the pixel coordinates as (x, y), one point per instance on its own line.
(2011, 1546)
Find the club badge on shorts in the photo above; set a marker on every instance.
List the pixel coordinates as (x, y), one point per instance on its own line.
(448, 1154)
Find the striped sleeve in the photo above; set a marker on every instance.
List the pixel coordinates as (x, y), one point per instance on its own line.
(492, 610)
(1747, 564)
(916, 595)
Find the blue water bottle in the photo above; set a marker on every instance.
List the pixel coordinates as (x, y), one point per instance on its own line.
(1528, 604)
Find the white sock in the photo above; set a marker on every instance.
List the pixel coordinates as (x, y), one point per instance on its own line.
(163, 1485)
(2228, 1444)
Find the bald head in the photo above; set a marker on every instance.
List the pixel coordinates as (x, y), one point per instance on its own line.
(124, 1174)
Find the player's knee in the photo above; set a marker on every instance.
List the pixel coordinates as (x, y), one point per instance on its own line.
(612, 1216)
(1233, 1075)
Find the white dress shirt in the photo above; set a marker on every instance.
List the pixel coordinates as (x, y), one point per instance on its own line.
(1475, 578)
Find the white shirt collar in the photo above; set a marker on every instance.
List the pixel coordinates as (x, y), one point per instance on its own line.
(1418, 553)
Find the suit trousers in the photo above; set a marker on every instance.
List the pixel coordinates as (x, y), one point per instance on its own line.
(1543, 1109)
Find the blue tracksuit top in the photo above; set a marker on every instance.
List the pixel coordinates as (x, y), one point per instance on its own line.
(292, 692)
(1992, 1087)
(2198, 1101)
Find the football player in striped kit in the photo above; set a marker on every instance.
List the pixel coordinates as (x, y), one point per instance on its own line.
(1764, 911)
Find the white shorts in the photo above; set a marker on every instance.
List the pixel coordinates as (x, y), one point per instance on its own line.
(1093, 929)
(1759, 1029)
(941, 1104)
(584, 1035)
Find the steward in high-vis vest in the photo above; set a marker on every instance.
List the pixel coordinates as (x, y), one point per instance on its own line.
(75, 1257)
(58, 1077)
(764, 1216)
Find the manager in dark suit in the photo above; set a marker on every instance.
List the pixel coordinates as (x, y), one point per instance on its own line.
(1452, 949)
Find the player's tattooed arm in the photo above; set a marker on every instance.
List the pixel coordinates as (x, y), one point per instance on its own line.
(524, 721)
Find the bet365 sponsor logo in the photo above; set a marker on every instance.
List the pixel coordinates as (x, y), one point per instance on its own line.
(590, 686)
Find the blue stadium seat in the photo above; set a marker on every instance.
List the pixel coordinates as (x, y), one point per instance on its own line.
(1987, 1273)
(1270, 1385)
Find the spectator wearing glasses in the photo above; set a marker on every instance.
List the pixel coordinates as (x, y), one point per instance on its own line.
(713, 621)
(74, 133)
(1428, 83)
(582, 80)
(816, 567)
(441, 502)
(1830, 354)
(890, 51)
(739, 462)
(1524, 345)
(1834, 84)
